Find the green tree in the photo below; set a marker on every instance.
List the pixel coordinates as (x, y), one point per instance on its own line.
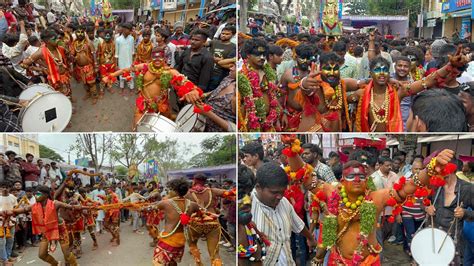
(121, 170)
(357, 7)
(131, 149)
(168, 154)
(216, 150)
(46, 152)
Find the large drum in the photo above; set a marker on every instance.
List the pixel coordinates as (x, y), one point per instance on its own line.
(422, 247)
(48, 111)
(154, 122)
(34, 90)
(188, 121)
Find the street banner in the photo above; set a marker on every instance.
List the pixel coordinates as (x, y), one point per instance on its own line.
(169, 5)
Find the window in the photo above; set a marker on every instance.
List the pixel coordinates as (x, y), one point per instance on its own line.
(17, 145)
(10, 143)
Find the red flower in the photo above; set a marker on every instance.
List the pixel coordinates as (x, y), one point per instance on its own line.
(421, 192)
(397, 186)
(381, 112)
(427, 202)
(409, 203)
(184, 218)
(391, 201)
(140, 102)
(449, 169)
(205, 108)
(391, 219)
(176, 80)
(397, 210)
(402, 180)
(320, 195)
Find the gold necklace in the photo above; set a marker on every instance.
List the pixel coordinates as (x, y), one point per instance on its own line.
(59, 60)
(380, 113)
(337, 96)
(155, 69)
(82, 45)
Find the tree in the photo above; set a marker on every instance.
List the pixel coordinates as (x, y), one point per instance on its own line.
(216, 150)
(121, 170)
(46, 152)
(133, 148)
(168, 154)
(357, 7)
(95, 146)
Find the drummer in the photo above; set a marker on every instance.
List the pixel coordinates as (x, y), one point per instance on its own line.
(222, 99)
(454, 200)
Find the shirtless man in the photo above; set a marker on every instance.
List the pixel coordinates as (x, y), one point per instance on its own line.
(46, 222)
(208, 226)
(82, 51)
(177, 210)
(155, 86)
(53, 59)
(107, 60)
(347, 219)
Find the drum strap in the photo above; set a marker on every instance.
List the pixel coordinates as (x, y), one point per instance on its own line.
(21, 84)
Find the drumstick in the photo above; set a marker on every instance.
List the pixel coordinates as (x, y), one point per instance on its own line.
(455, 221)
(432, 234)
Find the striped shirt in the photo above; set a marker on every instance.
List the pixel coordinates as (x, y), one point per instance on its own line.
(416, 212)
(324, 172)
(277, 224)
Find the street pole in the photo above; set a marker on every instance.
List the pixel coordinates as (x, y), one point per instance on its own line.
(420, 29)
(243, 15)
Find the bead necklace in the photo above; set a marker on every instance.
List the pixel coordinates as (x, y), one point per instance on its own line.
(253, 241)
(345, 200)
(59, 60)
(80, 46)
(380, 113)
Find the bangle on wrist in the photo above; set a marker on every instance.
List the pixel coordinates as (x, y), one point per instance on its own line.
(301, 83)
(423, 83)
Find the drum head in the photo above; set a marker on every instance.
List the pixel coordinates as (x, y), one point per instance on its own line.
(422, 247)
(155, 123)
(35, 90)
(50, 112)
(188, 121)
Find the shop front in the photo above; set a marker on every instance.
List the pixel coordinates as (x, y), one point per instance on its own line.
(457, 22)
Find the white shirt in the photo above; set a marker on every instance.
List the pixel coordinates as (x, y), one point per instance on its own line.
(85, 179)
(16, 53)
(277, 224)
(51, 17)
(7, 202)
(124, 51)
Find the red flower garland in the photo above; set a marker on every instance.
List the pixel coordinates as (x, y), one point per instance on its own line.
(183, 87)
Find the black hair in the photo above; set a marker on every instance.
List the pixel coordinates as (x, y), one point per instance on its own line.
(29, 189)
(337, 170)
(339, 46)
(271, 175)
(379, 60)
(253, 148)
(126, 25)
(230, 28)
(33, 40)
(386, 149)
(402, 58)
(146, 33)
(382, 160)
(275, 50)
(109, 31)
(204, 33)
(10, 39)
(45, 190)
(447, 114)
(81, 190)
(399, 153)
(47, 34)
(179, 185)
(371, 160)
(358, 154)
(447, 49)
(100, 30)
(304, 51)
(246, 180)
(333, 154)
(313, 148)
(250, 44)
(201, 177)
(5, 184)
(358, 51)
(415, 51)
(164, 33)
(301, 36)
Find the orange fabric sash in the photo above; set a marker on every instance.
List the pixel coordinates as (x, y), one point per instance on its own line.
(176, 240)
(47, 224)
(53, 76)
(394, 123)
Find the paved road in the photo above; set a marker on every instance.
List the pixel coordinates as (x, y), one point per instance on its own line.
(134, 250)
(113, 113)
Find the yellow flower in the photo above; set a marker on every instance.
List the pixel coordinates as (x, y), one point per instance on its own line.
(293, 175)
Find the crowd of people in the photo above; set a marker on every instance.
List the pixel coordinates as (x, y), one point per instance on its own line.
(297, 80)
(293, 201)
(166, 66)
(93, 202)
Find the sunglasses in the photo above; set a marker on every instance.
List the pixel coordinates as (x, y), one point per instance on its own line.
(351, 177)
(380, 70)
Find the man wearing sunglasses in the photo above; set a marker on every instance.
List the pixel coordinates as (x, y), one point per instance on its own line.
(260, 108)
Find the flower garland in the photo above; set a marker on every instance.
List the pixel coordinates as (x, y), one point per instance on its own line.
(252, 91)
(294, 148)
(229, 194)
(183, 86)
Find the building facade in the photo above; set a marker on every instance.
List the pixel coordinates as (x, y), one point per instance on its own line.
(21, 144)
(457, 18)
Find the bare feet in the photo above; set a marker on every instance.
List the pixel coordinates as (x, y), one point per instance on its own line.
(95, 246)
(111, 90)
